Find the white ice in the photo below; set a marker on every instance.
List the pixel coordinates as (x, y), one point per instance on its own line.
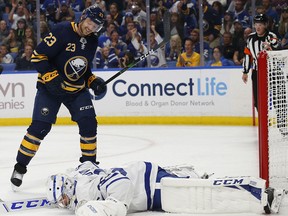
(225, 151)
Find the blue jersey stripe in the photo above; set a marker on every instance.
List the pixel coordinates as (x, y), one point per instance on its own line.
(116, 180)
(147, 176)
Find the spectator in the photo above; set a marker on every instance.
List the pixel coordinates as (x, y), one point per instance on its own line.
(88, 3)
(227, 23)
(238, 41)
(158, 57)
(222, 2)
(116, 16)
(21, 13)
(20, 30)
(5, 57)
(44, 29)
(51, 15)
(11, 41)
(4, 31)
(23, 62)
(139, 14)
(260, 9)
(128, 18)
(28, 39)
(227, 47)
(29, 34)
(119, 46)
(239, 51)
(64, 12)
(217, 6)
(270, 12)
(77, 5)
(176, 25)
(104, 39)
(108, 19)
(231, 7)
(101, 4)
(194, 35)
(136, 46)
(211, 25)
(2, 8)
(189, 58)
(157, 22)
(218, 59)
(283, 23)
(127, 36)
(240, 13)
(173, 48)
(106, 58)
(49, 3)
(187, 14)
(284, 41)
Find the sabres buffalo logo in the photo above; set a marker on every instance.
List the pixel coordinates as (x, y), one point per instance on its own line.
(75, 67)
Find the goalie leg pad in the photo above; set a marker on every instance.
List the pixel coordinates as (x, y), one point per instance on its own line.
(226, 195)
(110, 206)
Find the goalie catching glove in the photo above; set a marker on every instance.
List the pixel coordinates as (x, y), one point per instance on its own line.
(97, 84)
(54, 83)
(110, 206)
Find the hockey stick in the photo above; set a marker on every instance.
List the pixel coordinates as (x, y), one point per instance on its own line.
(26, 204)
(166, 39)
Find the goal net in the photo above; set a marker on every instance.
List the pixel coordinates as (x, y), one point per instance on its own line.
(273, 114)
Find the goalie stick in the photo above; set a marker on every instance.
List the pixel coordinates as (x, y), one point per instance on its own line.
(25, 204)
(166, 39)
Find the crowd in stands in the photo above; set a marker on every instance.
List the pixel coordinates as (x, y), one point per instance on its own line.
(226, 25)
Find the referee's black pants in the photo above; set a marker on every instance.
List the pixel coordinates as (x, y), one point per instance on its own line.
(255, 88)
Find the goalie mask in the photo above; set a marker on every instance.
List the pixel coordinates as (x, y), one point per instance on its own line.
(60, 189)
(95, 14)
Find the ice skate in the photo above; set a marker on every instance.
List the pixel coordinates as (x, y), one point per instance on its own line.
(17, 176)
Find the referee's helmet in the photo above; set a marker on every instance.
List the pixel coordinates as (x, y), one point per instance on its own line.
(260, 18)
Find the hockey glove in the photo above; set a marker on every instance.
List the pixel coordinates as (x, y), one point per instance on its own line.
(98, 85)
(110, 206)
(54, 83)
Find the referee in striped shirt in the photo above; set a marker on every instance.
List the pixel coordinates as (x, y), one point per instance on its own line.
(261, 39)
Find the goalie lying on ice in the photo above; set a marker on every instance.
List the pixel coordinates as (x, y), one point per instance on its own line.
(142, 186)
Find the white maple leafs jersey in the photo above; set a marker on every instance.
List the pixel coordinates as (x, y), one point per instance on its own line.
(133, 184)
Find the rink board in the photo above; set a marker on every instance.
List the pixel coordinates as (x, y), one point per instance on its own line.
(186, 96)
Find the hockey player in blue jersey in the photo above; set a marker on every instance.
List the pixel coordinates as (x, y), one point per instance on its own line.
(63, 61)
(141, 186)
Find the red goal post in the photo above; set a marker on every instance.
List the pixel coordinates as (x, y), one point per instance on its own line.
(273, 117)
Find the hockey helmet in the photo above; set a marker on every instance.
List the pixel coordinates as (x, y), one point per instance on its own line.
(95, 14)
(59, 188)
(260, 18)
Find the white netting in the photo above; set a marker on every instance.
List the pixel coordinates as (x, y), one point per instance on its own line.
(278, 118)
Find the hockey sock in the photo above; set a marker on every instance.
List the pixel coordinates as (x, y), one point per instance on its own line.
(89, 148)
(28, 148)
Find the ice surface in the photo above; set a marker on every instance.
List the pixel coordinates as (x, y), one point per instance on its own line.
(225, 151)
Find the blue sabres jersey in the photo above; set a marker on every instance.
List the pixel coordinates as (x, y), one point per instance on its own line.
(71, 55)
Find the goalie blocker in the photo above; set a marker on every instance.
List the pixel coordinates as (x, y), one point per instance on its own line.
(220, 195)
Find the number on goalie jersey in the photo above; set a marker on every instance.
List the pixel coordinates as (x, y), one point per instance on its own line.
(135, 187)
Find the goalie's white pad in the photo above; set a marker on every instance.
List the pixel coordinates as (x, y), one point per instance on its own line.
(221, 195)
(110, 206)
